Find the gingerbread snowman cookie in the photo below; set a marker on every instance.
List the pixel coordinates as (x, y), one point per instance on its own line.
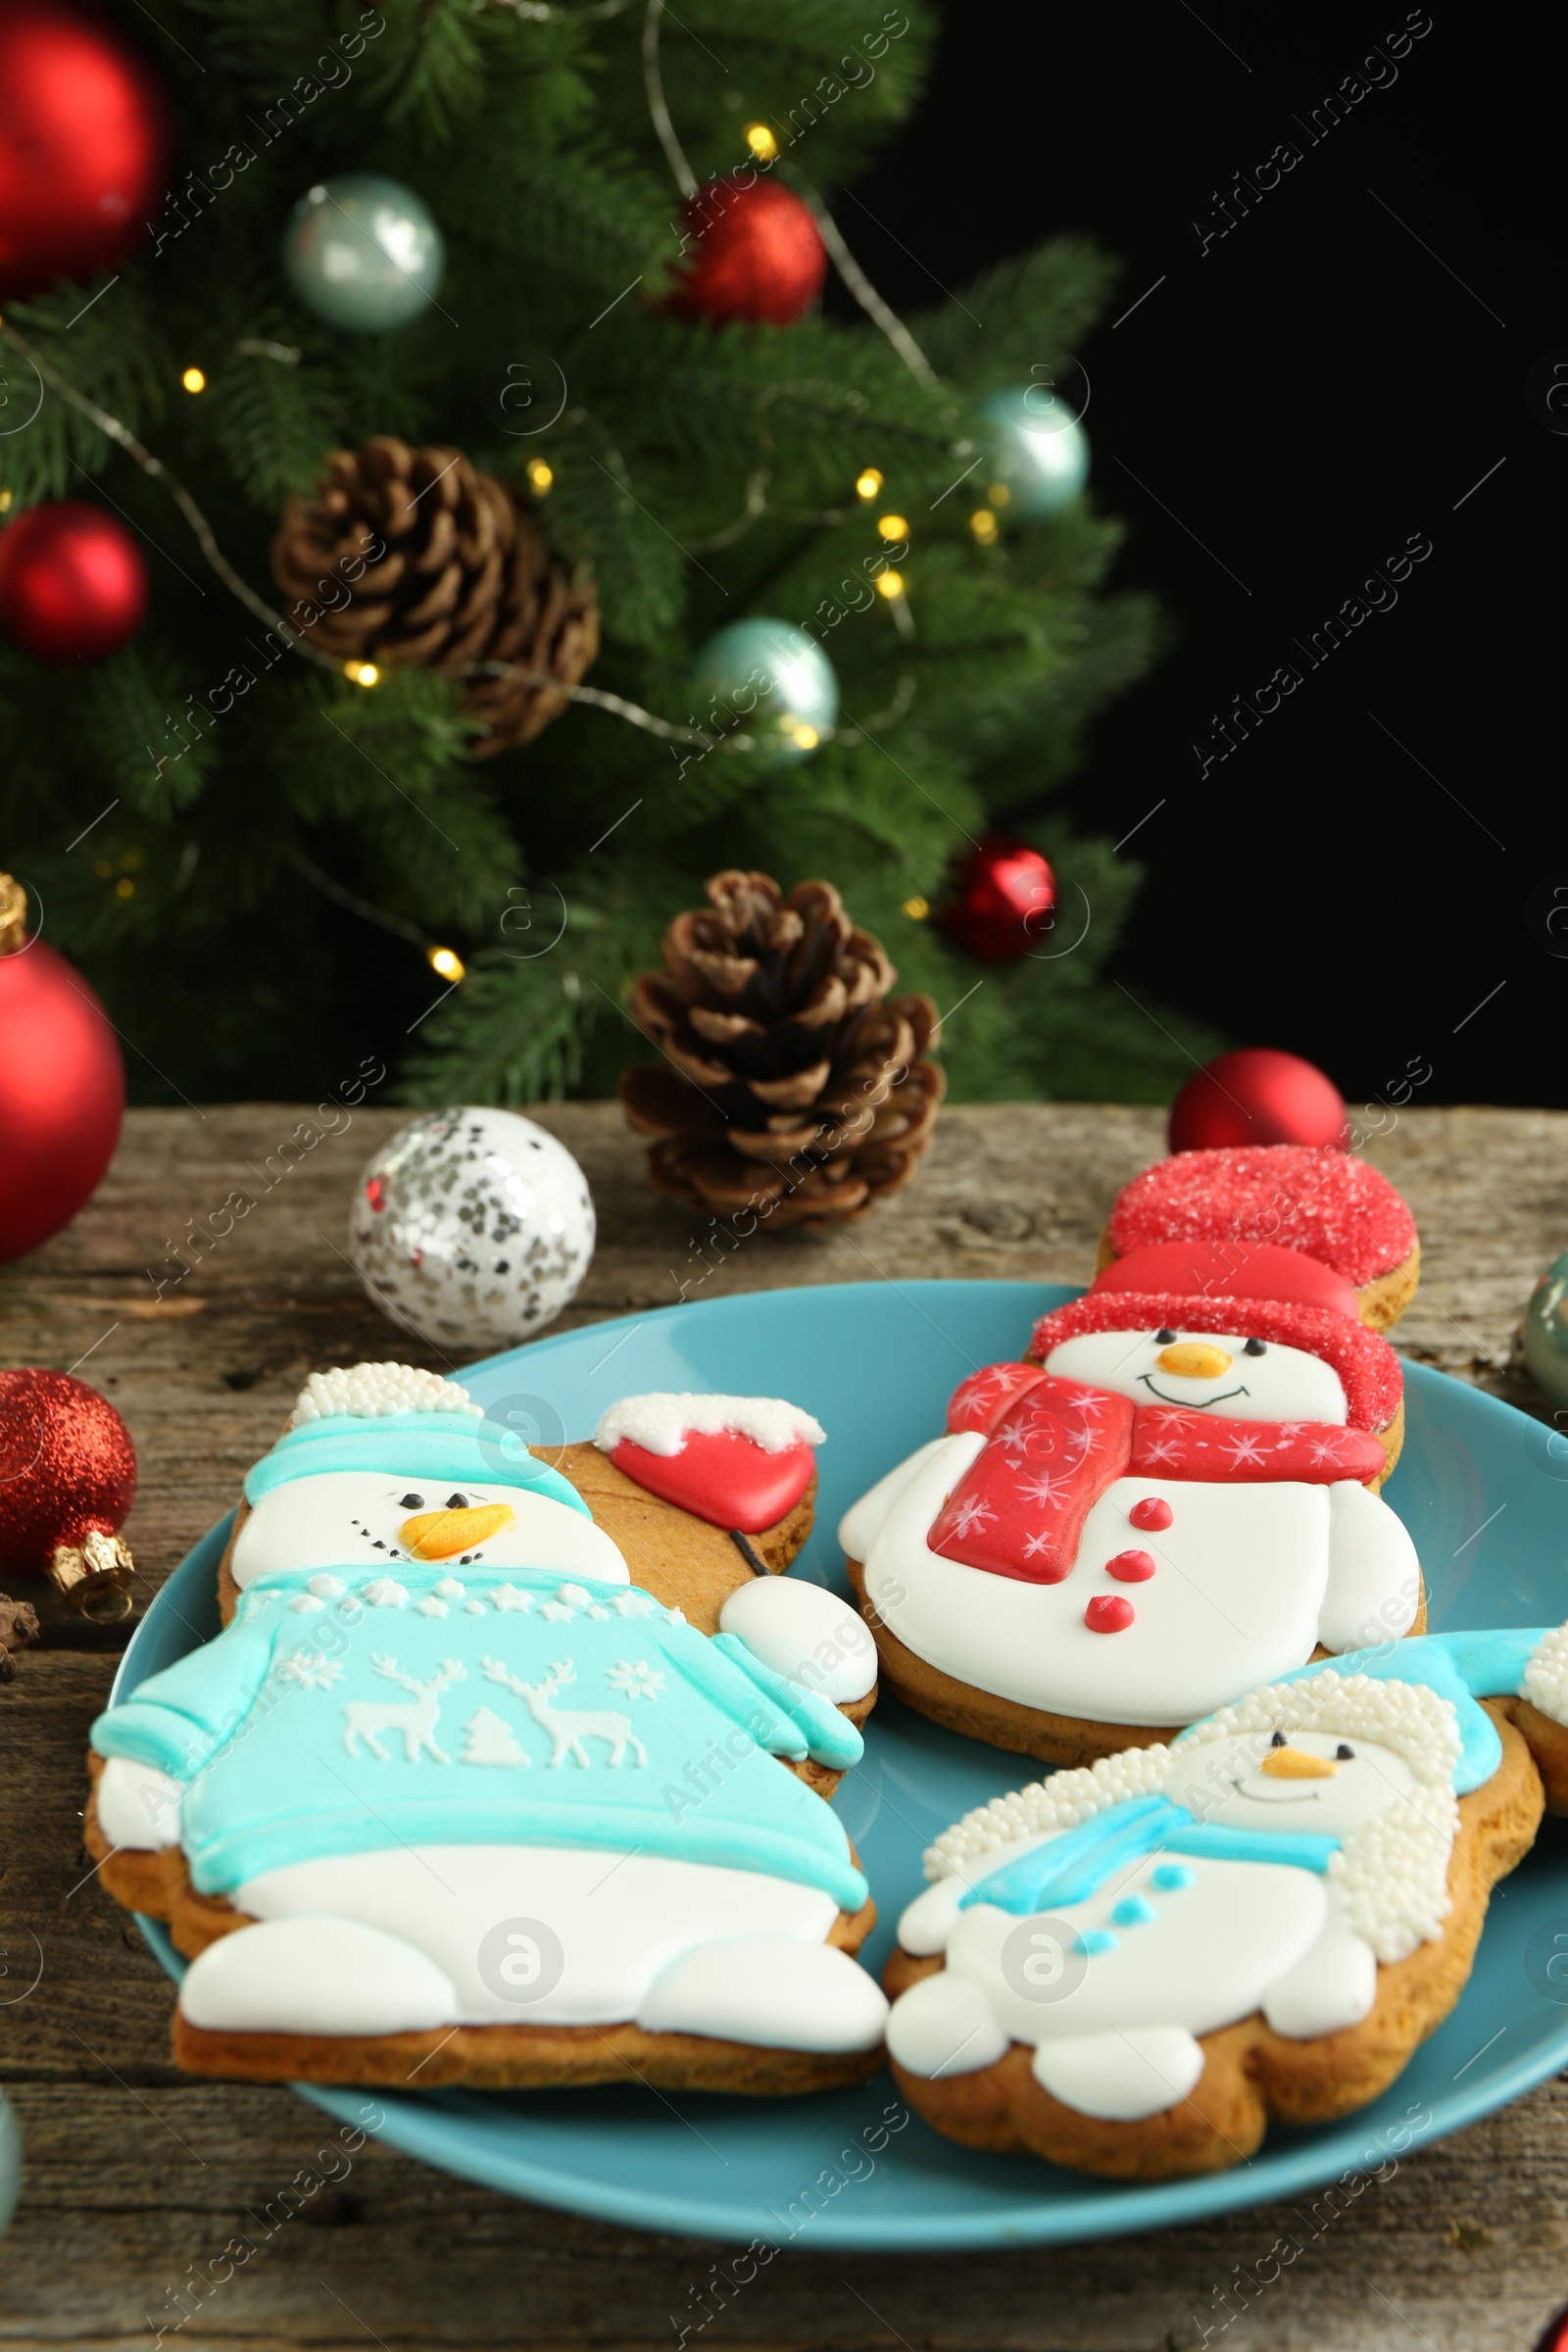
(1131, 1969)
(455, 1790)
(1173, 1497)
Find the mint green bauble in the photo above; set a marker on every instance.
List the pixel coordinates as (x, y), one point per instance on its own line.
(363, 253)
(1039, 451)
(10, 2159)
(1546, 1332)
(771, 681)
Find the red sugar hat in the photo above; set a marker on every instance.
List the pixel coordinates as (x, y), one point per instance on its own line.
(1303, 1197)
(1370, 1373)
(1230, 1270)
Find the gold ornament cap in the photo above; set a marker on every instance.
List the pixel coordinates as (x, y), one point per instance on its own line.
(13, 916)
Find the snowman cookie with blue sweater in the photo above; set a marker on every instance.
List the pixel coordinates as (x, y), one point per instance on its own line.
(1130, 1968)
(457, 1793)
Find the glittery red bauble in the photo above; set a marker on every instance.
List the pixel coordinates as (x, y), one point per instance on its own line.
(85, 145)
(62, 1093)
(72, 582)
(756, 255)
(1003, 902)
(1256, 1096)
(68, 1468)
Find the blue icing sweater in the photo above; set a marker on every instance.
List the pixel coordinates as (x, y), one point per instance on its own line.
(518, 1711)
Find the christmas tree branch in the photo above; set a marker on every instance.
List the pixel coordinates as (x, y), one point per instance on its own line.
(363, 908)
(880, 312)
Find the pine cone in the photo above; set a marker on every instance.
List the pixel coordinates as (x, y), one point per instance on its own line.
(790, 1084)
(466, 577)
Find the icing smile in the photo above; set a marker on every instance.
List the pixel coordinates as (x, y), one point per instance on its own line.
(1196, 1404)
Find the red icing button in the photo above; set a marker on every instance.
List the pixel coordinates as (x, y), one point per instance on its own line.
(1108, 1613)
(1131, 1568)
(1152, 1514)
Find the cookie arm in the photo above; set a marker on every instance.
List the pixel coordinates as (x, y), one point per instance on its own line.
(180, 1718)
(1333, 1985)
(790, 1722)
(1374, 1582)
(861, 1522)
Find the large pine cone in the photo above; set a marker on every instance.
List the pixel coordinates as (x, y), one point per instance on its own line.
(466, 577)
(790, 1084)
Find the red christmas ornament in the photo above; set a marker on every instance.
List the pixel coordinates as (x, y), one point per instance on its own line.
(1003, 902)
(68, 1473)
(1256, 1096)
(758, 256)
(62, 1085)
(85, 145)
(72, 582)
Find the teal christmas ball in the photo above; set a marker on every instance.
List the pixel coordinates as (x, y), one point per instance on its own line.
(771, 681)
(363, 253)
(1039, 451)
(10, 2160)
(1546, 1335)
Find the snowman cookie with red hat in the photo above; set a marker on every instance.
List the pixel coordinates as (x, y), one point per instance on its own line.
(507, 1771)
(1174, 1498)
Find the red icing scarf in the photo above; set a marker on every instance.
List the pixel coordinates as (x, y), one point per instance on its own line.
(1054, 1447)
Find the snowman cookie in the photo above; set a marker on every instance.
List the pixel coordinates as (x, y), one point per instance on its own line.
(455, 1794)
(1174, 1497)
(1130, 1969)
(1200, 1220)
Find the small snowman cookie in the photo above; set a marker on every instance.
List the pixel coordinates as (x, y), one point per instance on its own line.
(1130, 1969)
(452, 1793)
(1172, 1497)
(1250, 1202)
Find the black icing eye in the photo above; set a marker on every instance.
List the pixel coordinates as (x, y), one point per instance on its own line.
(1278, 1740)
(412, 1502)
(1256, 1347)
(1344, 1754)
(456, 1502)
(1164, 1339)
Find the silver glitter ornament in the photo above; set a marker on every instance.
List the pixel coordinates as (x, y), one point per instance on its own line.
(473, 1228)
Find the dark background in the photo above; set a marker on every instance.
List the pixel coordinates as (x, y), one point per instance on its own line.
(1304, 396)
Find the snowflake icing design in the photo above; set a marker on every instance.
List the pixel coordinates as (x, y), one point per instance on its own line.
(1245, 1449)
(1044, 1488)
(1034, 1545)
(641, 1681)
(1162, 1449)
(971, 1515)
(310, 1671)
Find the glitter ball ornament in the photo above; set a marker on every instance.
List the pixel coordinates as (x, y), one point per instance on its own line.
(1040, 452)
(473, 1228)
(363, 253)
(68, 1473)
(754, 255)
(1256, 1096)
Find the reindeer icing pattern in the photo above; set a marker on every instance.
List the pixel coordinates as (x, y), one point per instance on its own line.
(416, 1718)
(568, 1728)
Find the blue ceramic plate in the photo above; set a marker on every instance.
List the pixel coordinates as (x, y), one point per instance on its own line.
(1483, 1490)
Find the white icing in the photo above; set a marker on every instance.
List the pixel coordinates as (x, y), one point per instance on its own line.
(1283, 1384)
(448, 1588)
(138, 1806)
(307, 1605)
(860, 1524)
(804, 1634)
(1121, 2076)
(430, 1606)
(1248, 1578)
(325, 1588)
(339, 1517)
(388, 1594)
(1374, 1586)
(944, 2026)
(783, 1996)
(661, 1422)
(1025, 1815)
(315, 1976)
(1546, 1683)
(368, 1392)
(1333, 1985)
(619, 1920)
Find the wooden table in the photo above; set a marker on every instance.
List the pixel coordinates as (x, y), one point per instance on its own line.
(134, 2174)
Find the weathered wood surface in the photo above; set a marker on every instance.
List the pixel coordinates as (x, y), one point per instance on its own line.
(134, 2175)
